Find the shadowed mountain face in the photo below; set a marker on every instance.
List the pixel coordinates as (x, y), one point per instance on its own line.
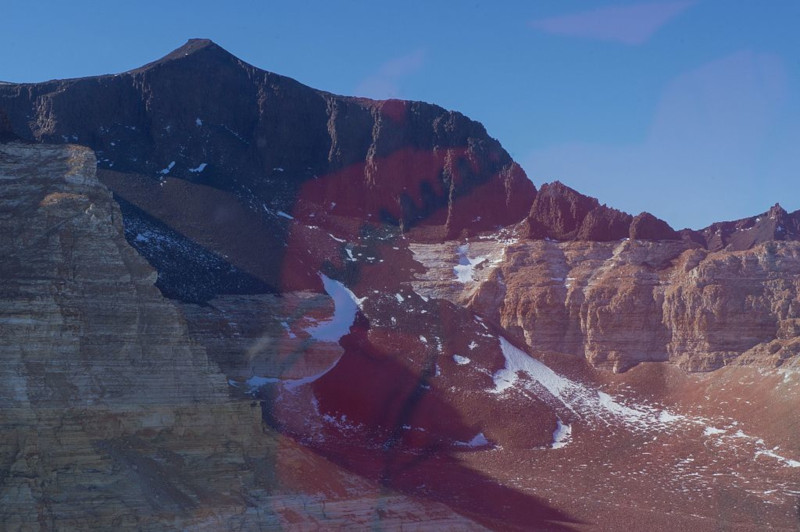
(202, 115)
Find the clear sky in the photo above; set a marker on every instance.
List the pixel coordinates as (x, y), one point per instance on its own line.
(689, 109)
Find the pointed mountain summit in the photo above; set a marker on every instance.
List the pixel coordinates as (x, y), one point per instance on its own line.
(201, 51)
(201, 107)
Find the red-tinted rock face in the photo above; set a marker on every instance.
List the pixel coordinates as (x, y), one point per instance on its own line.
(558, 211)
(561, 213)
(604, 224)
(645, 226)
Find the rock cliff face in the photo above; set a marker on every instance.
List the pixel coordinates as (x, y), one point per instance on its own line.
(561, 213)
(623, 303)
(112, 416)
(204, 116)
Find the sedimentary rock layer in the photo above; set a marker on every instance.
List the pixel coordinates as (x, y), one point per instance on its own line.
(110, 415)
(618, 304)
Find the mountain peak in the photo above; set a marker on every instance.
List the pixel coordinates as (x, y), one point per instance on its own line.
(194, 45)
(197, 49)
(776, 211)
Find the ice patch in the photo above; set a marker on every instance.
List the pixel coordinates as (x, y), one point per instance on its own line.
(200, 168)
(254, 383)
(399, 298)
(423, 339)
(20, 321)
(198, 122)
(472, 345)
(461, 361)
(711, 431)
(284, 215)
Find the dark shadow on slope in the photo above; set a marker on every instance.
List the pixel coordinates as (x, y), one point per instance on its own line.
(187, 271)
(389, 425)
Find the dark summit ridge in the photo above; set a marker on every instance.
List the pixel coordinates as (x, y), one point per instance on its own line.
(198, 49)
(737, 235)
(561, 213)
(201, 116)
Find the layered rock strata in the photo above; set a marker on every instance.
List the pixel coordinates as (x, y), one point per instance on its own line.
(110, 415)
(622, 303)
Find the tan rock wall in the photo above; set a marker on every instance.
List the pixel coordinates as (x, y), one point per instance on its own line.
(621, 303)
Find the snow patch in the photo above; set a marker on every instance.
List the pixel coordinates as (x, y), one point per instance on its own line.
(465, 268)
(200, 168)
(578, 398)
(788, 461)
(346, 305)
(284, 215)
(169, 167)
(461, 361)
(562, 435)
(198, 122)
(288, 329)
(478, 441)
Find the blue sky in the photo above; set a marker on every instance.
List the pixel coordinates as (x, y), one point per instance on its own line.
(689, 109)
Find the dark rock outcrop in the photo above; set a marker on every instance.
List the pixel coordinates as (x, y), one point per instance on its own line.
(561, 213)
(6, 133)
(604, 224)
(558, 211)
(202, 115)
(207, 121)
(645, 226)
(739, 235)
